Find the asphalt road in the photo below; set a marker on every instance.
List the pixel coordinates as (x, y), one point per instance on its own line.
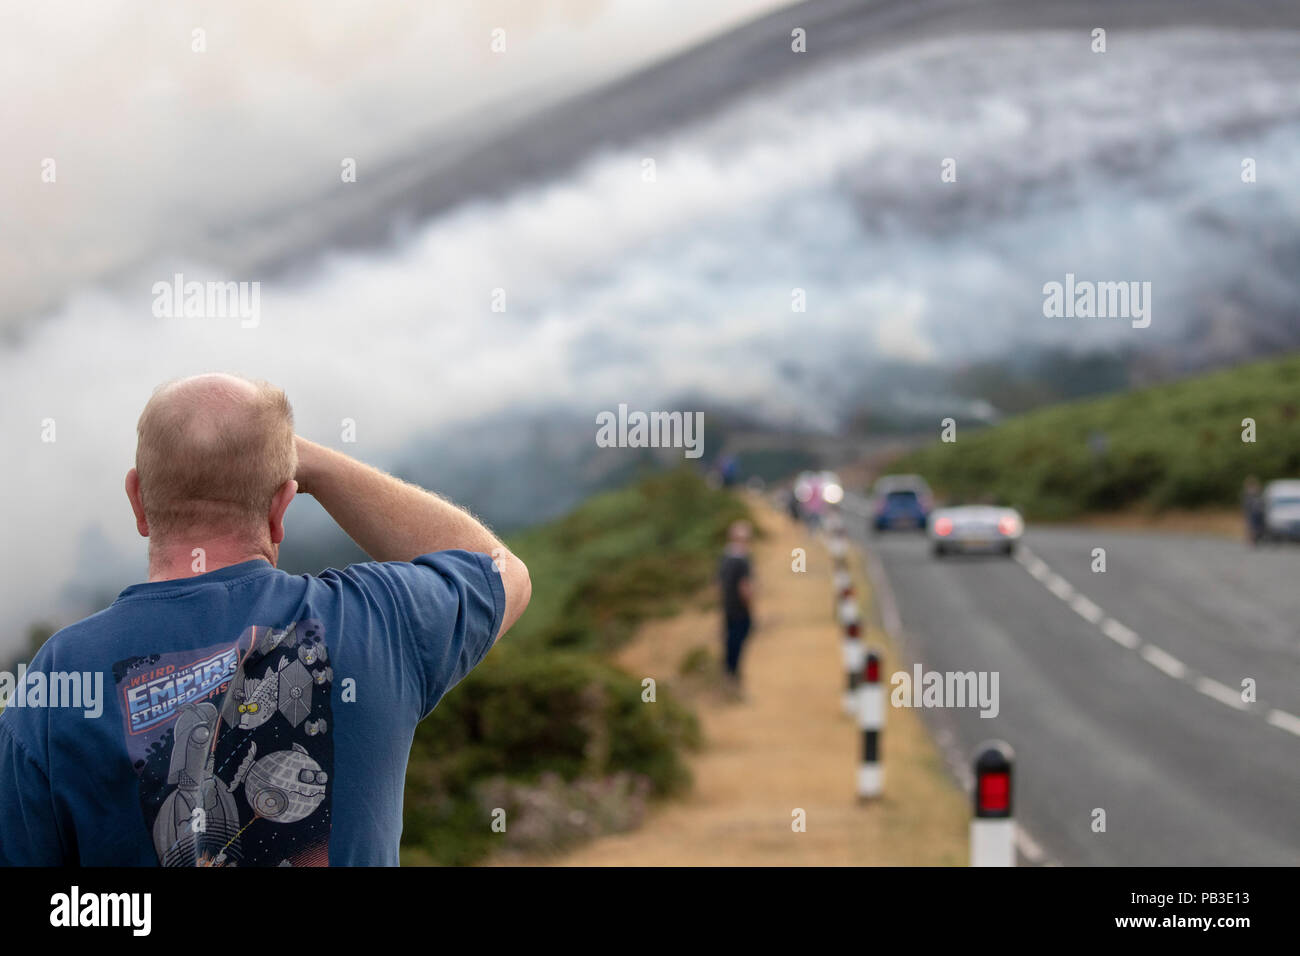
(1120, 690)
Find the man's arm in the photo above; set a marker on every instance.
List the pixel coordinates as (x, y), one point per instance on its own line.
(393, 520)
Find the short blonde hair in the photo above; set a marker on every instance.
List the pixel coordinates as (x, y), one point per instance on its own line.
(211, 459)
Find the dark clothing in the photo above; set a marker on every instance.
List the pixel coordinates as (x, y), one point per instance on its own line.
(735, 610)
(733, 569)
(1253, 505)
(737, 629)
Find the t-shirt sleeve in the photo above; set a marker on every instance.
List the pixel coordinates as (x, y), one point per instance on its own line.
(449, 608)
(29, 834)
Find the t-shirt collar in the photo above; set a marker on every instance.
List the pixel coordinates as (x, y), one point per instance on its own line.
(221, 575)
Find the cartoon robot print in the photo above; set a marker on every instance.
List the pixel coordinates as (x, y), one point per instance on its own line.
(233, 749)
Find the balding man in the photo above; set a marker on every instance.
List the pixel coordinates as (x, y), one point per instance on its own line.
(253, 717)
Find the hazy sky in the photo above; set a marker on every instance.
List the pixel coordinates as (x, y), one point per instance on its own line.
(153, 142)
(1120, 167)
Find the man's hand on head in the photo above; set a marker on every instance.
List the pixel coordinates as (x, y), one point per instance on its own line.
(394, 520)
(308, 463)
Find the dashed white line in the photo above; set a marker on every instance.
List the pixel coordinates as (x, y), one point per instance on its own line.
(1032, 563)
(1284, 721)
(1163, 661)
(885, 600)
(1160, 659)
(1086, 609)
(1117, 632)
(1220, 692)
(1120, 634)
(1028, 847)
(965, 777)
(1060, 587)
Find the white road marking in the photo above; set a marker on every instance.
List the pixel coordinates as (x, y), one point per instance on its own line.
(1117, 632)
(1027, 846)
(1086, 609)
(1060, 587)
(1120, 634)
(961, 767)
(1032, 563)
(1220, 692)
(884, 593)
(1284, 721)
(1163, 661)
(1160, 659)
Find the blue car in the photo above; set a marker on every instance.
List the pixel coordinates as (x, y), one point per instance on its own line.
(901, 502)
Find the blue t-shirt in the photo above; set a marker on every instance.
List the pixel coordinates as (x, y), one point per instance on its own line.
(246, 716)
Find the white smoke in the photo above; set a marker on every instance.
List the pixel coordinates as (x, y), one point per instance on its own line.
(617, 289)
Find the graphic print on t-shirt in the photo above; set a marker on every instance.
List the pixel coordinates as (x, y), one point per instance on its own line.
(233, 748)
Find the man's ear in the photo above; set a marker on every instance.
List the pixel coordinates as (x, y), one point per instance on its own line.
(279, 505)
(137, 504)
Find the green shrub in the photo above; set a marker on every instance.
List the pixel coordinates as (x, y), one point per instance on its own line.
(523, 715)
(553, 815)
(1172, 446)
(545, 710)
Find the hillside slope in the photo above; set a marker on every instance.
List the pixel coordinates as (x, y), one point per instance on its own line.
(1171, 446)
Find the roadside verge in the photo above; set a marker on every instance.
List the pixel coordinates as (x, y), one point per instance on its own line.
(787, 746)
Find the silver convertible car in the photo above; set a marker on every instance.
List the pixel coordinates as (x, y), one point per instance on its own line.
(974, 528)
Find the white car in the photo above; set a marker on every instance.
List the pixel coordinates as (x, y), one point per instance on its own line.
(974, 528)
(1282, 510)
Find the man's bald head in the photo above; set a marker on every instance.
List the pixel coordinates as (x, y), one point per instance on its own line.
(212, 452)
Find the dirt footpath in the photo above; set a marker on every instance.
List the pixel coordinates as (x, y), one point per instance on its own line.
(787, 745)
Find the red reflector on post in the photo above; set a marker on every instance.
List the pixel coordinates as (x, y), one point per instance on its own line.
(871, 673)
(995, 792)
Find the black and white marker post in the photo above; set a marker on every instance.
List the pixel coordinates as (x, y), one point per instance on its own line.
(853, 663)
(843, 591)
(993, 829)
(839, 549)
(848, 611)
(871, 719)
